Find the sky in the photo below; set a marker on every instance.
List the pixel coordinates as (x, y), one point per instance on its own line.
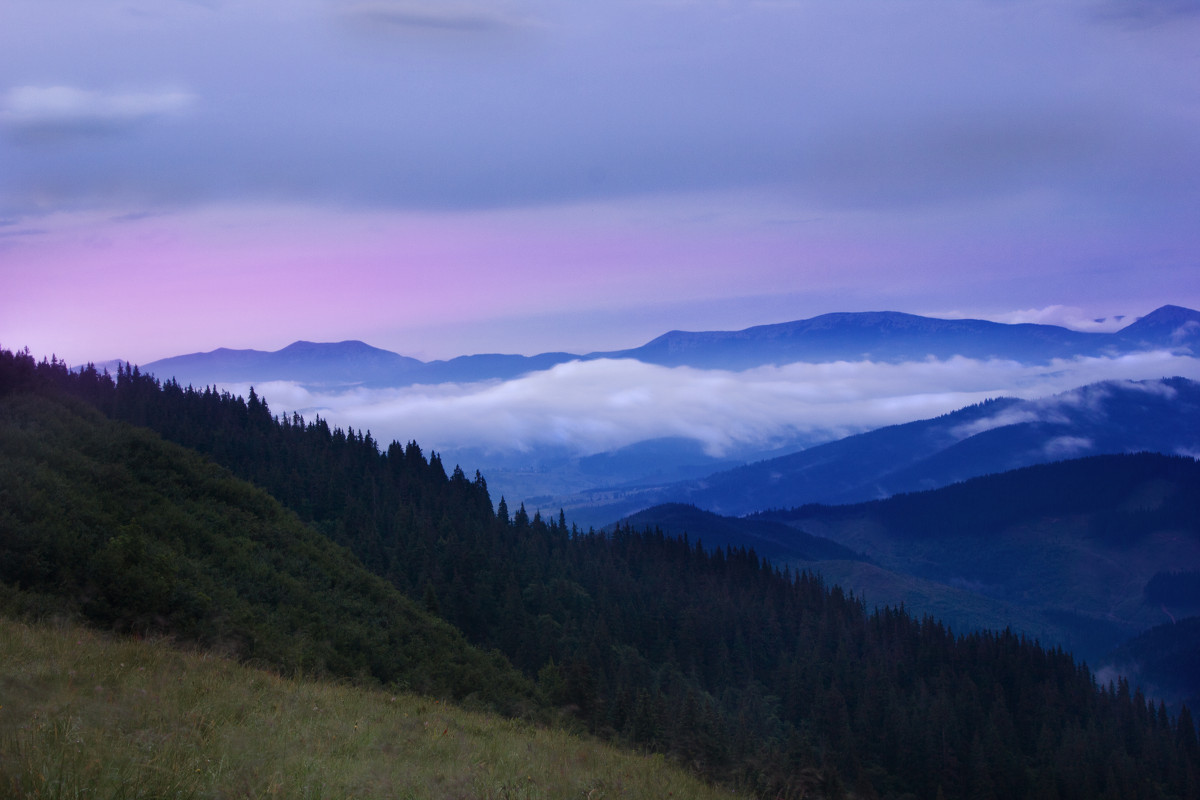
(440, 177)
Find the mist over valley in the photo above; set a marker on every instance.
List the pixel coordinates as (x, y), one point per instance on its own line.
(577, 431)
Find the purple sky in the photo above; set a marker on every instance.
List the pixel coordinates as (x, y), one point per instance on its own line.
(440, 177)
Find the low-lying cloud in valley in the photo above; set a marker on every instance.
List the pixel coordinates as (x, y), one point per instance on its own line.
(586, 407)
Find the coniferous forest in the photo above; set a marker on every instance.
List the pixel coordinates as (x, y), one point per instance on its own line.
(763, 679)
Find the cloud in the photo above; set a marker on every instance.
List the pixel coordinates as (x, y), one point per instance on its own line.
(1064, 316)
(1146, 12)
(1160, 389)
(1185, 331)
(1016, 416)
(1090, 398)
(928, 157)
(587, 407)
(1062, 447)
(435, 16)
(849, 105)
(39, 113)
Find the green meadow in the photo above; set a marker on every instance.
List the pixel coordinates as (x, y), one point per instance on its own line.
(85, 714)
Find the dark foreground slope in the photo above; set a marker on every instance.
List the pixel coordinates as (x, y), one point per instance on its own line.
(762, 678)
(776, 541)
(107, 522)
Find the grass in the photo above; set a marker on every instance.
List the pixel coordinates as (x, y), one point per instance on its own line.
(87, 715)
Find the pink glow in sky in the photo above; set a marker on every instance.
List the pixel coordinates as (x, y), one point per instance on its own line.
(444, 284)
(543, 175)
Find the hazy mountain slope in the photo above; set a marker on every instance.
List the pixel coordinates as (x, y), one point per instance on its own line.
(1076, 540)
(878, 336)
(997, 436)
(821, 473)
(1165, 660)
(1176, 591)
(768, 539)
(960, 608)
(311, 363)
(550, 478)
(488, 366)
(107, 521)
(343, 364)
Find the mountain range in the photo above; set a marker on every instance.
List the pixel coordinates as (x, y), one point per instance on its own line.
(600, 486)
(887, 336)
(219, 522)
(894, 337)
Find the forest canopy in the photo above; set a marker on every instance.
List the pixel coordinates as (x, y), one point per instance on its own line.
(748, 674)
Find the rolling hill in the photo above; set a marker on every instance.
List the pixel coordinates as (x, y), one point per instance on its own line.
(769, 539)
(108, 523)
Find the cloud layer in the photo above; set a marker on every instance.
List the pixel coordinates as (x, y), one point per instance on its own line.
(596, 406)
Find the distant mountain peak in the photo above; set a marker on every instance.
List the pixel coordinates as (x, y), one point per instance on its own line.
(350, 362)
(1170, 326)
(1166, 315)
(348, 344)
(304, 344)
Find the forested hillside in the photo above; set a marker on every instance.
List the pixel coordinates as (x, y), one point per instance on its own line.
(743, 672)
(107, 522)
(1088, 542)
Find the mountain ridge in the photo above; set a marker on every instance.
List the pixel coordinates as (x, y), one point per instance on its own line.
(888, 336)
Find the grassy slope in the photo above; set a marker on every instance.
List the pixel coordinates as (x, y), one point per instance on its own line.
(85, 714)
(109, 523)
